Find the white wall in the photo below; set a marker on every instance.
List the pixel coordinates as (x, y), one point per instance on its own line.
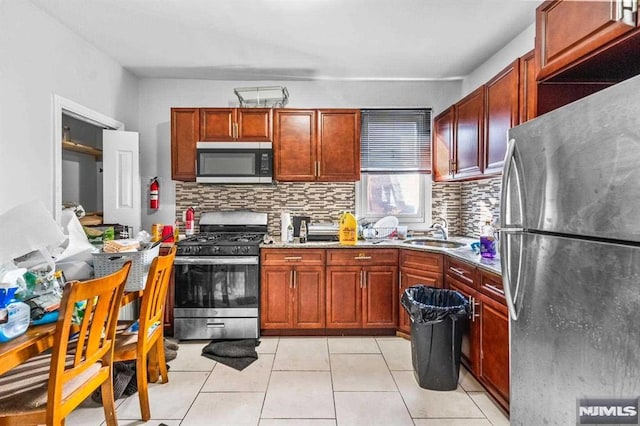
(157, 96)
(517, 47)
(40, 58)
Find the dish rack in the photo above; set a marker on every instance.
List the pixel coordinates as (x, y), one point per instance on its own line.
(380, 233)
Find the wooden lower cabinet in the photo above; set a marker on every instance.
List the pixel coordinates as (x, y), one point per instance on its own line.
(494, 346)
(417, 267)
(410, 277)
(362, 297)
(292, 297)
(471, 337)
(292, 289)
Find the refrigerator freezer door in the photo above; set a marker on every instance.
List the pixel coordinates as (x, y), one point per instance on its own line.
(577, 331)
(578, 166)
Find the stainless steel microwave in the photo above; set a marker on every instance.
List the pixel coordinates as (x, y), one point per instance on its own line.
(234, 162)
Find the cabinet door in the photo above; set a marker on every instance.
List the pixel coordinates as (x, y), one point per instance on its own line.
(501, 97)
(567, 31)
(443, 145)
(308, 297)
(411, 277)
(494, 345)
(471, 338)
(254, 125)
(294, 145)
(344, 296)
(469, 135)
(275, 299)
(380, 297)
(528, 87)
(217, 124)
(338, 145)
(185, 129)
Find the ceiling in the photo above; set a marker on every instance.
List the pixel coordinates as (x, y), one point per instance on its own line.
(296, 39)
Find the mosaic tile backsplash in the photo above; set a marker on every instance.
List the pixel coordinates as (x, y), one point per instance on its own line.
(465, 205)
(480, 201)
(323, 201)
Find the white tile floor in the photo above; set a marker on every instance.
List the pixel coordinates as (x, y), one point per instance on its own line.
(300, 381)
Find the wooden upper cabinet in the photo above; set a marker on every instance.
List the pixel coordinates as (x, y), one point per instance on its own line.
(501, 97)
(294, 145)
(185, 132)
(469, 135)
(338, 153)
(528, 87)
(567, 31)
(217, 124)
(235, 124)
(317, 145)
(254, 125)
(443, 145)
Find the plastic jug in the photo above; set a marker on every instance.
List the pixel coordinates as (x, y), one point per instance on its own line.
(348, 232)
(14, 316)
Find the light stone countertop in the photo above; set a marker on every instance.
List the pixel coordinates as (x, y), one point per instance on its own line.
(463, 253)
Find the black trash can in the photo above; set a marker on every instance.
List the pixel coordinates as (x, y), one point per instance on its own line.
(438, 320)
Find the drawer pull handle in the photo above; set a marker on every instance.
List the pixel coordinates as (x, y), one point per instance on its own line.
(494, 288)
(293, 258)
(215, 325)
(457, 270)
(362, 258)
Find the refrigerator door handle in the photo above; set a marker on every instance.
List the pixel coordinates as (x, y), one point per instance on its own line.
(504, 251)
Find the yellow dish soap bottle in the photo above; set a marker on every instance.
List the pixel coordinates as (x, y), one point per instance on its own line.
(348, 229)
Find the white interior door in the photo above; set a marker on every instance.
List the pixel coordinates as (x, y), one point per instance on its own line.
(121, 178)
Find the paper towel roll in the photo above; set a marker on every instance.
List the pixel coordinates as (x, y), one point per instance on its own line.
(285, 220)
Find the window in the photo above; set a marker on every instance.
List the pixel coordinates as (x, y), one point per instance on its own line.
(396, 165)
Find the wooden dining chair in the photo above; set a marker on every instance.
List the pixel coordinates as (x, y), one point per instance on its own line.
(146, 346)
(46, 388)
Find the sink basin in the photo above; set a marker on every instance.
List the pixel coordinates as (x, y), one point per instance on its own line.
(434, 243)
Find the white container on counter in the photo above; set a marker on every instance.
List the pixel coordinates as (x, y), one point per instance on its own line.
(285, 221)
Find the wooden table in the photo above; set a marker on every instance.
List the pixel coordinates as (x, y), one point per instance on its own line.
(37, 339)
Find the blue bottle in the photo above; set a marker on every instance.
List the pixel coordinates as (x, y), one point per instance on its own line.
(488, 241)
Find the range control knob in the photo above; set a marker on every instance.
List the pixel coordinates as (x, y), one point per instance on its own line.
(245, 249)
(235, 249)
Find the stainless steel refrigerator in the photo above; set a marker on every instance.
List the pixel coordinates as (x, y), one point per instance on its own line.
(570, 252)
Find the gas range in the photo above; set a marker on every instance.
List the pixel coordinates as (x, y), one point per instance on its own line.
(220, 244)
(237, 233)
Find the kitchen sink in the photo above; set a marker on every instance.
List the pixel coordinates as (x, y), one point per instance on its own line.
(434, 243)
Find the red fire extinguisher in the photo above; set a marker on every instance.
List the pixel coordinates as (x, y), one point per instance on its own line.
(154, 191)
(189, 217)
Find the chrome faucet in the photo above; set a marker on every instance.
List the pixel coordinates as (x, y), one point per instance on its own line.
(442, 227)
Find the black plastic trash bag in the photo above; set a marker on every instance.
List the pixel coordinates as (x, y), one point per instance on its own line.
(429, 305)
(439, 318)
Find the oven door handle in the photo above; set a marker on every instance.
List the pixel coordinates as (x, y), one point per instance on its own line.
(216, 260)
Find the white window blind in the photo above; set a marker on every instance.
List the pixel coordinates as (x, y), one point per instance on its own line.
(396, 140)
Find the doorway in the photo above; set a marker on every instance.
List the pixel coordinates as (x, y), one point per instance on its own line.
(78, 154)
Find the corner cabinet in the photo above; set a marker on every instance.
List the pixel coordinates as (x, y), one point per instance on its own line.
(458, 136)
(417, 268)
(185, 132)
(317, 145)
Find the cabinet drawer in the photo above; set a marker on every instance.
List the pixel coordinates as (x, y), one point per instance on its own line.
(362, 257)
(491, 285)
(421, 261)
(461, 271)
(292, 257)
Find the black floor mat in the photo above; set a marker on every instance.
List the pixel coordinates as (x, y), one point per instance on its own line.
(235, 353)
